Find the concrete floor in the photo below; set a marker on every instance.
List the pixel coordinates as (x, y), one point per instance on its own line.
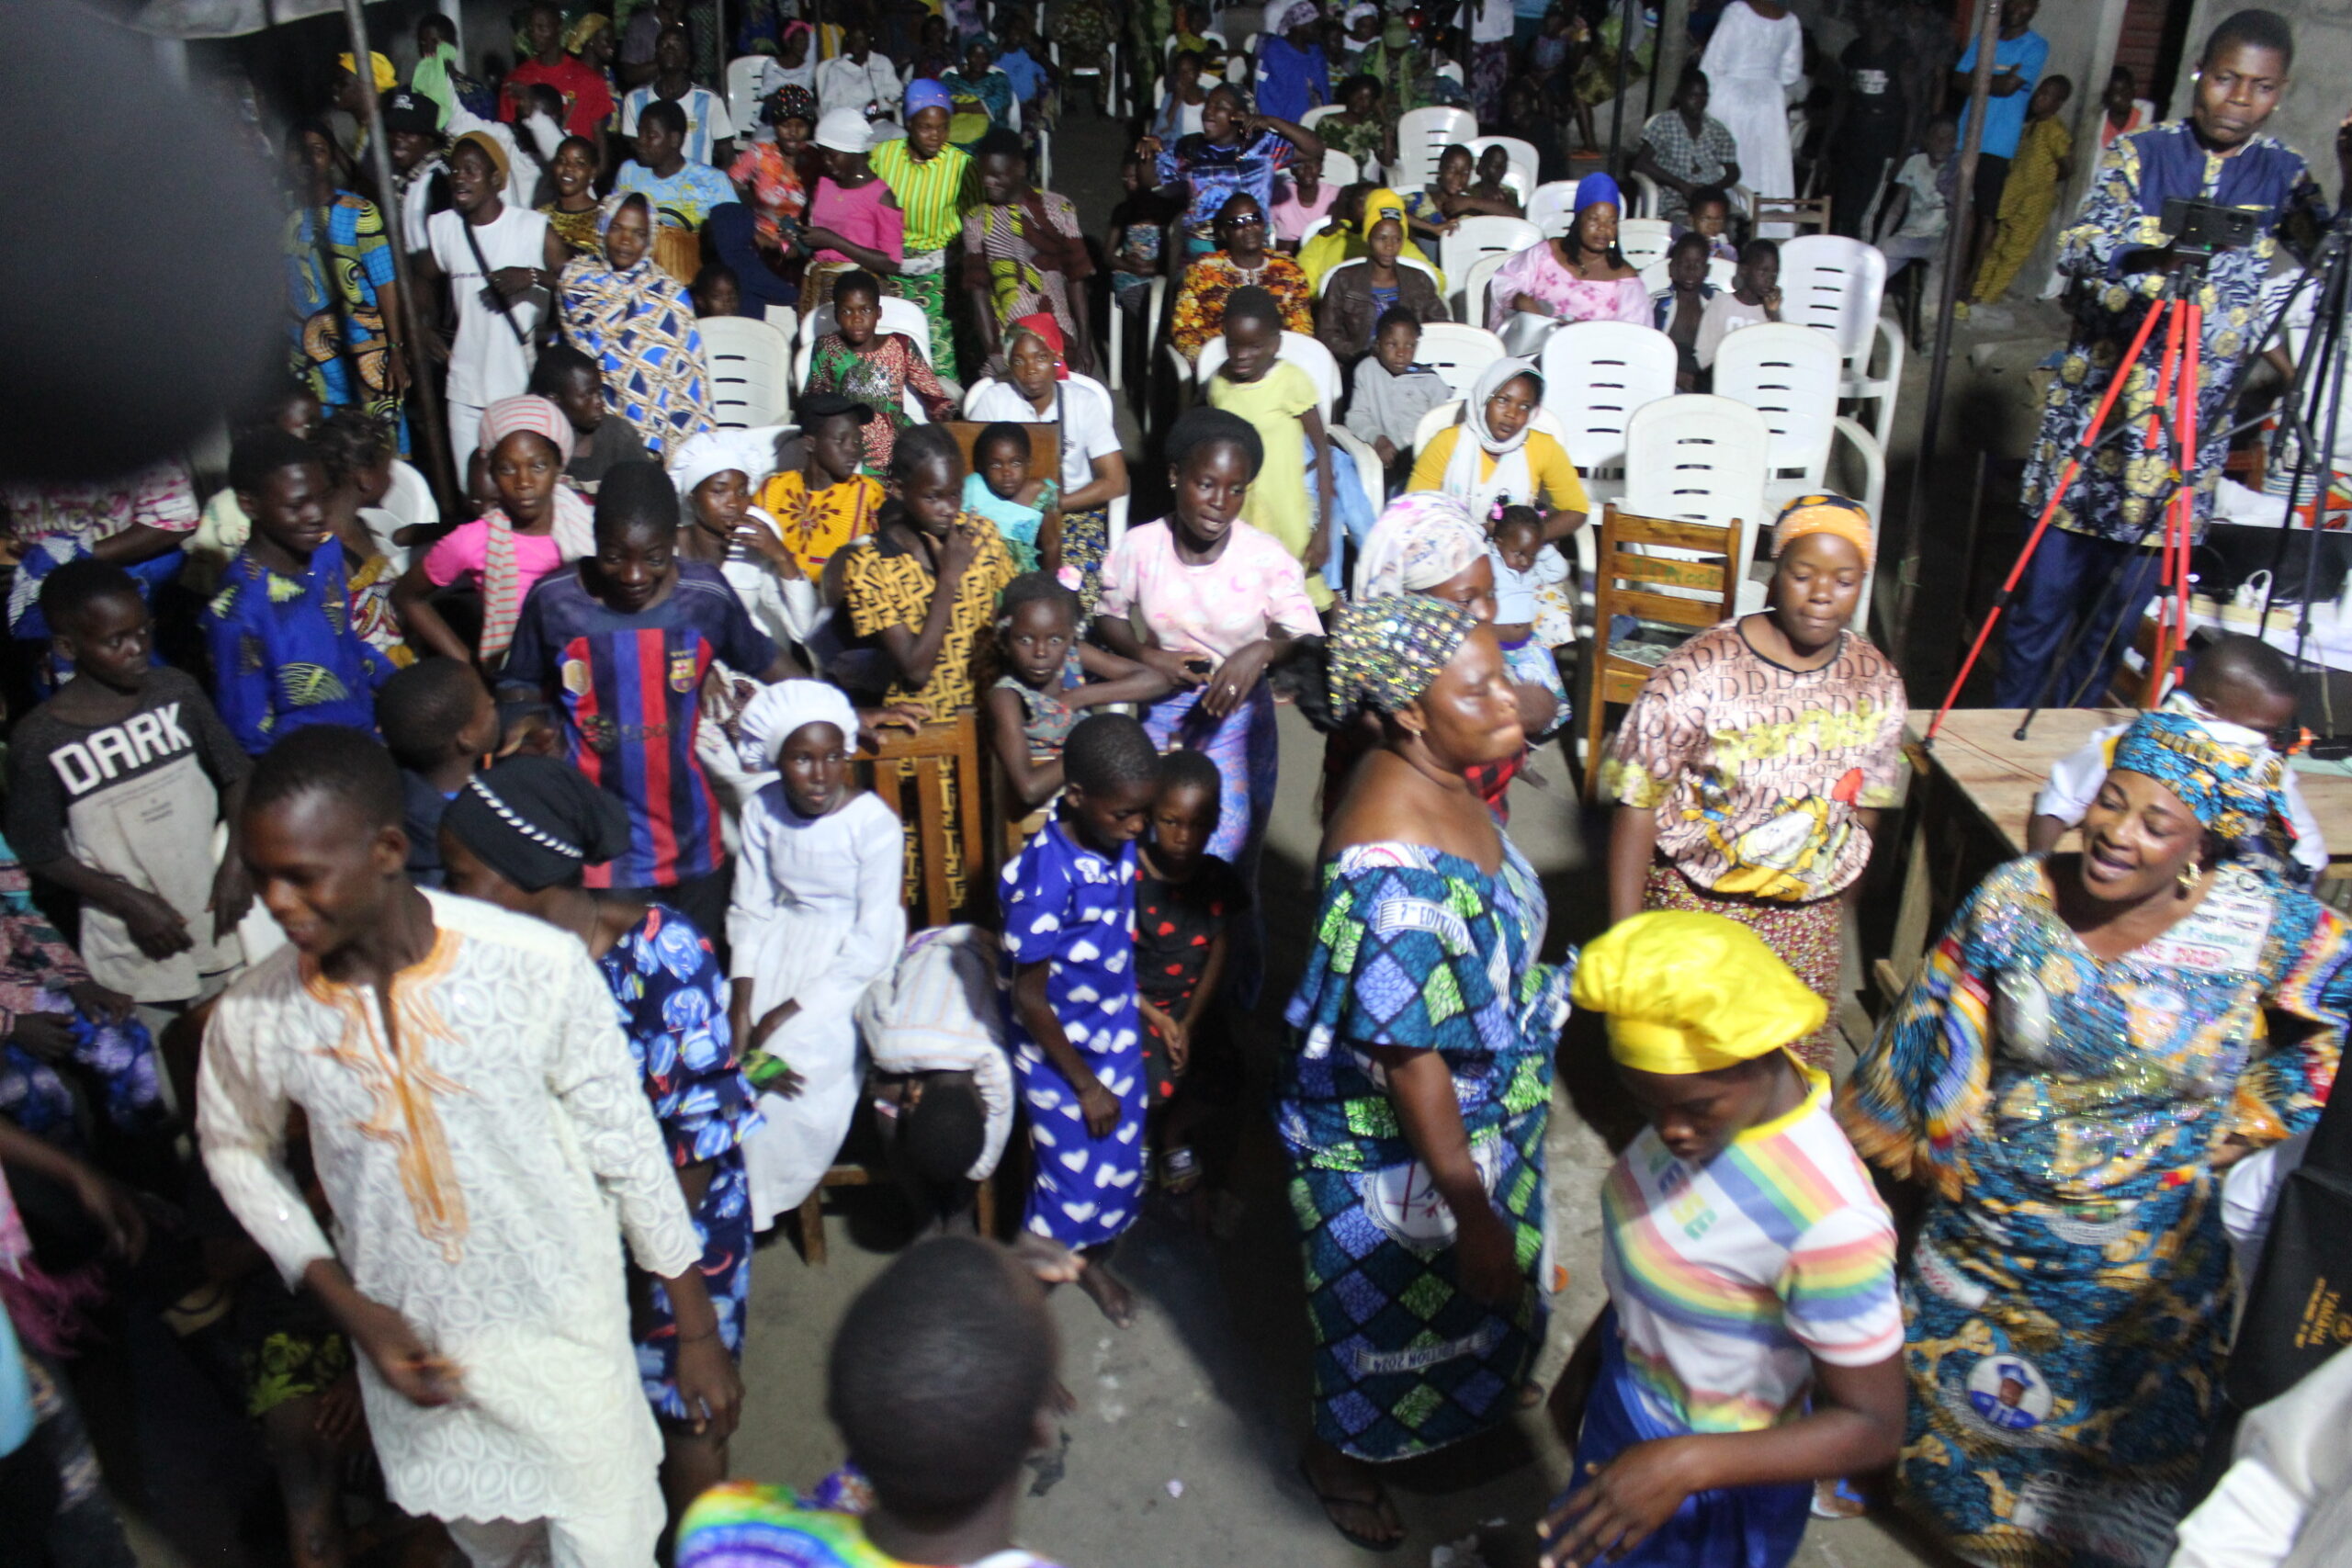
(1182, 1449)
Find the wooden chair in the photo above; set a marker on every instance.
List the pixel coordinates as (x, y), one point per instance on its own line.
(938, 751)
(1628, 583)
(1809, 214)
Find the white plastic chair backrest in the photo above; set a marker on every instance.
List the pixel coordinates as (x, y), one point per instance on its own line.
(1421, 136)
(1723, 274)
(1644, 241)
(1834, 283)
(743, 93)
(1483, 236)
(1645, 202)
(1320, 113)
(1325, 287)
(897, 316)
(1315, 227)
(1451, 70)
(1524, 159)
(1552, 206)
(1448, 414)
(1790, 375)
(748, 364)
(1458, 352)
(1308, 354)
(1475, 279)
(1596, 374)
(1701, 459)
(1339, 169)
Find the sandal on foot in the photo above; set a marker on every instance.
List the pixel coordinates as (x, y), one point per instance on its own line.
(1328, 1500)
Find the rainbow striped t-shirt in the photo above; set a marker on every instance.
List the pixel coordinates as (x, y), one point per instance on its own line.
(1728, 1277)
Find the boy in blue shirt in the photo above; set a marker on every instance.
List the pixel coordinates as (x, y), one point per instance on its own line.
(2018, 56)
(284, 653)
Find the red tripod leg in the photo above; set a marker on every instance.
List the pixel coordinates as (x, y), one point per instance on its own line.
(2050, 509)
(2171, 624)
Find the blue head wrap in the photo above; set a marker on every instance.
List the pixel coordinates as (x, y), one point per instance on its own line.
(923, 92)
(1594, 189)
(2235, 790)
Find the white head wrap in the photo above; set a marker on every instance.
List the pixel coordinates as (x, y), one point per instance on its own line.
(1423, 538)
(770, 716)
(1511, 479)
(698, 458)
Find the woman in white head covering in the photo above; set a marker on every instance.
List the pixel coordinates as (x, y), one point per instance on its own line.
(1496, 458)
(816, 918)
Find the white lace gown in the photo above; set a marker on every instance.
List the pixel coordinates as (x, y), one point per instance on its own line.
(1751, 65)
(816, 918)
(483, 1159)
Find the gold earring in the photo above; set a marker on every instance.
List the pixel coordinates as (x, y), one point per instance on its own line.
(2188, 878)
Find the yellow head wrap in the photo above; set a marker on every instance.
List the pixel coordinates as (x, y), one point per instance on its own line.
(1824, 513)
(386, 77)
(1690, 993)
(585, 29)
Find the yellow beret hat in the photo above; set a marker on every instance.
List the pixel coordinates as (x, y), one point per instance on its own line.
(1690, 993)
(379, 68)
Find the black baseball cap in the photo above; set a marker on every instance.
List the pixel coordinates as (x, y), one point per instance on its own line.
(406, 110)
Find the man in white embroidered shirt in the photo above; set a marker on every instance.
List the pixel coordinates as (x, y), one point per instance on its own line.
(473, 1110)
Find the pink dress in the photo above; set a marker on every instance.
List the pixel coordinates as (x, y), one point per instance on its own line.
(859, 217)
(1217, 609)
(1537, 271)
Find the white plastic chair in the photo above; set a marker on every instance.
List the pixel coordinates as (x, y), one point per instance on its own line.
(1372, 477)
(749, 365)
(1325, 287)
(1339, 169)
(1320, 113)
(743, 94)
(1552, 207)
(1701, 459)
(1154, 300)
(1834, 283)
(1524, 161)
(1475, 281)
(1421, 136)
(1596, 374)
(1644, 240)
(1646, 197)
(1721, 272)
(1308, 354)
(1790, 375)
(1114, 83)
(1458, 352)
(897, 316)
(1482, 236)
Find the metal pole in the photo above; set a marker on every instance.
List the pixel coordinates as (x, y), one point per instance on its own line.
(1673, 51)
(1625, 14)
(430, 425)
(1979, 91)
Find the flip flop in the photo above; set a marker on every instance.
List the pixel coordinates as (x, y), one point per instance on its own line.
(1355, 1538)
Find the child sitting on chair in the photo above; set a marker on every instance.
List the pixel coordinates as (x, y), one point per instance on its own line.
(862, 363)
(814, 918)
(1025, 508)
(1529, 627)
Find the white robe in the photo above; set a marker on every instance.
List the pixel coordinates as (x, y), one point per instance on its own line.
(481, 1177)
(815, 919)
(1751, 65)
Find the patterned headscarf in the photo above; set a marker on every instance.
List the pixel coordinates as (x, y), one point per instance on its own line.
(1298, 16)
(538, 415)
(2236, 791)
(790, 101)
(1385, 652)
(573, 528)
(610, 208)
(1824, 513)
(585, 29)
(1423, 538)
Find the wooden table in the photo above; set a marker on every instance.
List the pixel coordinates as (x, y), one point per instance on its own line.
(1966, 813)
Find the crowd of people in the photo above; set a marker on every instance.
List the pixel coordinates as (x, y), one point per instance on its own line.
(441, 943)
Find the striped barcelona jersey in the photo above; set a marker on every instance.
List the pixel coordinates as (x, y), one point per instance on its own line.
(1728, 1276)
(630, 688)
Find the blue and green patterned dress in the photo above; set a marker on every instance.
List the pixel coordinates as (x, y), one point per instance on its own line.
(671, 996)
(1417, 950)
(2068, 1301)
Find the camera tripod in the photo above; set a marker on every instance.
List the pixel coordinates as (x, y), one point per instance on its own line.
(2178, 381)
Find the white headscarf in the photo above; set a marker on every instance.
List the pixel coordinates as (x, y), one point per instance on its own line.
(698, 458)
(1423, 538)
(774, 712)
(1511, 478)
